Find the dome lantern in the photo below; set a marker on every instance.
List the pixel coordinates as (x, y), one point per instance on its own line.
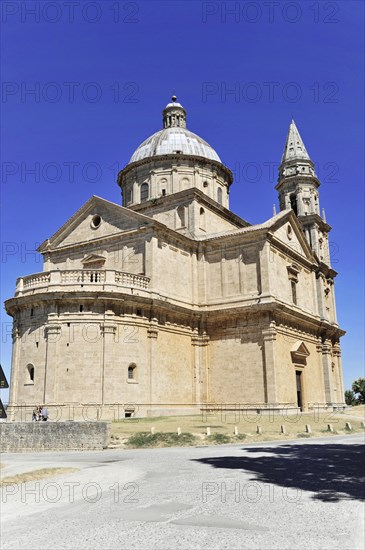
(174, 115)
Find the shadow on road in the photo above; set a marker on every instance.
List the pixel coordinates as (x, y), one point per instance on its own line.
(333, 472)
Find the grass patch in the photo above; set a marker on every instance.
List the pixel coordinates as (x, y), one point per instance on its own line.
(356, 410)
(159, 439)
(219, 438)
(136, 432)
(35, 475)
(241, 437)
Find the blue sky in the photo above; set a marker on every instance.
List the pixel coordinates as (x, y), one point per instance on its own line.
(101, 72)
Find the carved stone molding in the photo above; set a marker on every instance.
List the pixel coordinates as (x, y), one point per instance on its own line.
(200, 340)
(269, 334)
(327, 348)
(152, 331)
(50, 331)
(107, 328)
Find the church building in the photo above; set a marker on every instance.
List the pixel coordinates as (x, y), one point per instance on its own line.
(172, 304)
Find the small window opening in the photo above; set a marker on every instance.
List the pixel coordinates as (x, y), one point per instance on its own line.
(81, 308)
(294, 291)
(31, 372)
(37, 344)
(131, 372)
(139, 312)
(163, 192)
(32, 312)
(293, 203)
(202, 219)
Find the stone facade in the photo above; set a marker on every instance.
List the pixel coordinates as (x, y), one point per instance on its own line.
(171, 302)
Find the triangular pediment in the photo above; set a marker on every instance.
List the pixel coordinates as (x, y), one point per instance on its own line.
(288, 230)
(93, 259)
(96, 219)
(299, 349)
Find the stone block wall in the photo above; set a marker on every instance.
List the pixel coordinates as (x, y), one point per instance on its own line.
(53, 436)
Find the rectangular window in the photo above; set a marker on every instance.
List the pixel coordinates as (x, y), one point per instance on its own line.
(294, 291)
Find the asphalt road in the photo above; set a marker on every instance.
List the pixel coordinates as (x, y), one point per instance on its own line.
(303, 494)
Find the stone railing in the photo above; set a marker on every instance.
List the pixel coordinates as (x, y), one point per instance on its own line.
(101, 279)
(83, 276)
(33, 281)
(129, 279)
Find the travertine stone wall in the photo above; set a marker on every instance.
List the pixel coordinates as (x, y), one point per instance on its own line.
(53, 436)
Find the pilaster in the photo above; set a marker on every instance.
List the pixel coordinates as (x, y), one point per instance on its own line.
(108, 331)
(327, 371)
(52, 336)
(201, 367)
(152, 335)
(269, 338)
(15, 367)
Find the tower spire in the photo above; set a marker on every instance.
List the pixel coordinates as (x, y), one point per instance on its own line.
(298, 190)
(294, 147)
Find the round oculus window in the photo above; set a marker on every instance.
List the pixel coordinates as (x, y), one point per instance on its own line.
(95, 221)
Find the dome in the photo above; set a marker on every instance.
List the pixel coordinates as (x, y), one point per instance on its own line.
(174, 138)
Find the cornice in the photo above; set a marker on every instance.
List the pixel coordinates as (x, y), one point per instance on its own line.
(175, 157)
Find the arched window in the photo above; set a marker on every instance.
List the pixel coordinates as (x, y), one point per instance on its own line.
(181, 216)
(219, 195)
(30, 372)
(293, 203)
(202, 219)
(132, 371)
(144, 192)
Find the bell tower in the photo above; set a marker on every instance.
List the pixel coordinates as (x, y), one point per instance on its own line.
(298, 189)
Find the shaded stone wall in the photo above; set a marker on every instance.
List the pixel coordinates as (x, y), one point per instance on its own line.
(53, 436)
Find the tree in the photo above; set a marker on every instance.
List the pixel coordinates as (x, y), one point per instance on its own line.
(358, 386)
(350, 397)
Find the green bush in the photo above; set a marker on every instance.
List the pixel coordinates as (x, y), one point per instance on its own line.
(219, 438)
(160, 439)
(350, 397)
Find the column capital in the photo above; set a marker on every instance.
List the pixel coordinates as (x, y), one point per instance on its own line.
(327, 348)
(269, 334)
(200, 340)
(108, 328)
(52, 329)
(152, 331)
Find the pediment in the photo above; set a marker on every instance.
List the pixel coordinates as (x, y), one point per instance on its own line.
(299, 351)
(288, 230)
(93, 259)
(96, 219)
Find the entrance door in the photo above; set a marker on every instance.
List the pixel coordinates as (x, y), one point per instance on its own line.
(298, 375)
